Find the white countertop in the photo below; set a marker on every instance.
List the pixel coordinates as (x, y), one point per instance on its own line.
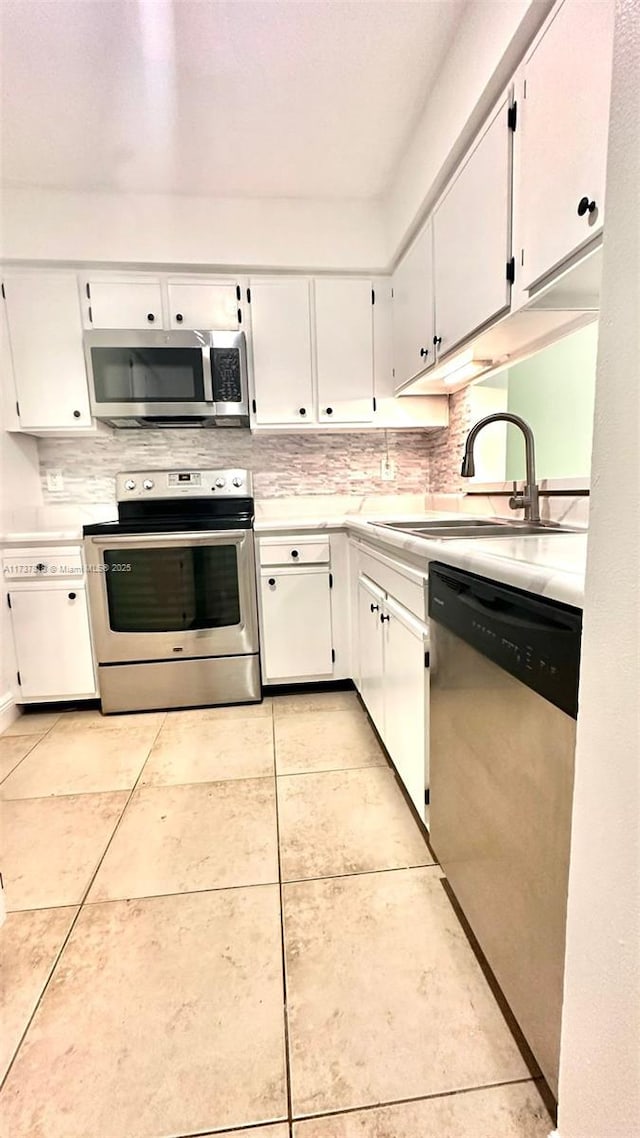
(550, 564)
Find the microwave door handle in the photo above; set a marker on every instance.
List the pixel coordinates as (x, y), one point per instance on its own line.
(207, 374)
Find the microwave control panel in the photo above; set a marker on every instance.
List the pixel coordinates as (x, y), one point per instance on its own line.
(226, 375)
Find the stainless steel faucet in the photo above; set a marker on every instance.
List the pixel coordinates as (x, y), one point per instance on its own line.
(528, 500)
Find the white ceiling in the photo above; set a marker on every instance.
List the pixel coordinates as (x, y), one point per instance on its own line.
(233, 98)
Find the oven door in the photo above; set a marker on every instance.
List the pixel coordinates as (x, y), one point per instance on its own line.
(149, 374)
(172, 596)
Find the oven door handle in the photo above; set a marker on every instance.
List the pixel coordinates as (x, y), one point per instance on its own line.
(144, 541)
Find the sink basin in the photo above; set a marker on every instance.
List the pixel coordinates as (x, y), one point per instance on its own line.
(450, 528)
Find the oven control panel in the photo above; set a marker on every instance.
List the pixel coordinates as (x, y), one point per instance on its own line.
(183, 483)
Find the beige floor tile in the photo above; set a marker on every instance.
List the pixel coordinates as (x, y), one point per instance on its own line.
(163, 1017)
(33, 723)
(177, 839)
(515, 1111)
(346, 822)
(13, 749)
(380, 971)
(29, 944)
(211, 751)
(52, 846)
(315, 701)
(92, 719)
(80, 762)
(321, 740)
(199, 715)
(280, 1130)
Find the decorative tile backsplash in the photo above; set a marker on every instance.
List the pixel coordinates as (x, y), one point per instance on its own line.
(283, 465)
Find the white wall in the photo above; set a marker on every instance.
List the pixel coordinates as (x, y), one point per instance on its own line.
(600, 1049)
(60, 225)
(492, 39)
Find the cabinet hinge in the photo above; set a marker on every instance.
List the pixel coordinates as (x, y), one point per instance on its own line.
(512, 116)
(239, 316)
(333, 655)
(331, 580)
(511, 270)
(90, 315)
(253, 404)
(248, 296)
(9, 599)
(392, 294)
(4, 295)
(375, 405)
(88, 290)
(393, 372)
(524, 89)
(373, 296)
(238, 293)
(427, 659)
(427, 797)
(19, 679)
(18, 410)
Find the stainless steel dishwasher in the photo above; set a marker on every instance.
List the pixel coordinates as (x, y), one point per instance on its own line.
(504, 687)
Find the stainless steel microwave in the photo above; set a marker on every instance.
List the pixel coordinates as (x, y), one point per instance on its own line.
(168, 379)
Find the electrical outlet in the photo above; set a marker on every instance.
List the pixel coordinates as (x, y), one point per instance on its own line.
(55, 481)
(387, 470)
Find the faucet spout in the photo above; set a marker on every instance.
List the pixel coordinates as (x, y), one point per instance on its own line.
(528, 499)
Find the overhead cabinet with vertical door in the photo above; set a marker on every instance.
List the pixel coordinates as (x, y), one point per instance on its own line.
(344, 349)
(413, 312)
(204, 305)
(123, 303)
(472, 237)
(563, 95)
(281, 348)
(45, 335)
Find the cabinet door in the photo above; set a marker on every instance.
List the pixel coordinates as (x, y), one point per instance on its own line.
(296, 624)
(125, 304)
(203, 306)
(281, 340)
(53, 645)
(370, 644)
(406, 700)
(45, 334)
(344, 350)
(471, 237)
(413, 324)
(563, 129)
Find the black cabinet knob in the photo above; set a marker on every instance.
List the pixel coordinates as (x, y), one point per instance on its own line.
(303, 410)
(329, 411)
(374, 608)
(294, 553)
(585, 206)
(72, 596)
(424, 351)
(383, 617)
(76, 414)
(272, 580)
(179, 318)
(437, 340)
(150, 317)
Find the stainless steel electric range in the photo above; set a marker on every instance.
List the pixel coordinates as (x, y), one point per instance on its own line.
(172, 591)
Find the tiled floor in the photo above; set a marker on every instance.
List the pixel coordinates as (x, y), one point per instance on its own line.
(229, 920)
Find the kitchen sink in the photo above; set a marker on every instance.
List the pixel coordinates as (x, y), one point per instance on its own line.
(450, 528)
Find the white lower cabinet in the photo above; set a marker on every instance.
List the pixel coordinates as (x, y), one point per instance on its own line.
(296, 623)
(52, 641)
(394, 683)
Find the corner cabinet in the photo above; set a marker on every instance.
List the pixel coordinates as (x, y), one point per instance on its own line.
(563, 121)
(413, 311)
(45, 336)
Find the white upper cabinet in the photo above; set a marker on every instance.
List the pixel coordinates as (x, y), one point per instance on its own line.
(203, 306)
(281, 342)
(45, 334)
(563, 117)
(124, 304)
(472, 235)
(413, 323)
(344, 350)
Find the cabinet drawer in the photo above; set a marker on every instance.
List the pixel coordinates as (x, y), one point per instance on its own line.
(42, 564)
(294, 551)
(403, 584)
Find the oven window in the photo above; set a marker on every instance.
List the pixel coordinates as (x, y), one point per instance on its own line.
(147, 375)
(173, 589)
